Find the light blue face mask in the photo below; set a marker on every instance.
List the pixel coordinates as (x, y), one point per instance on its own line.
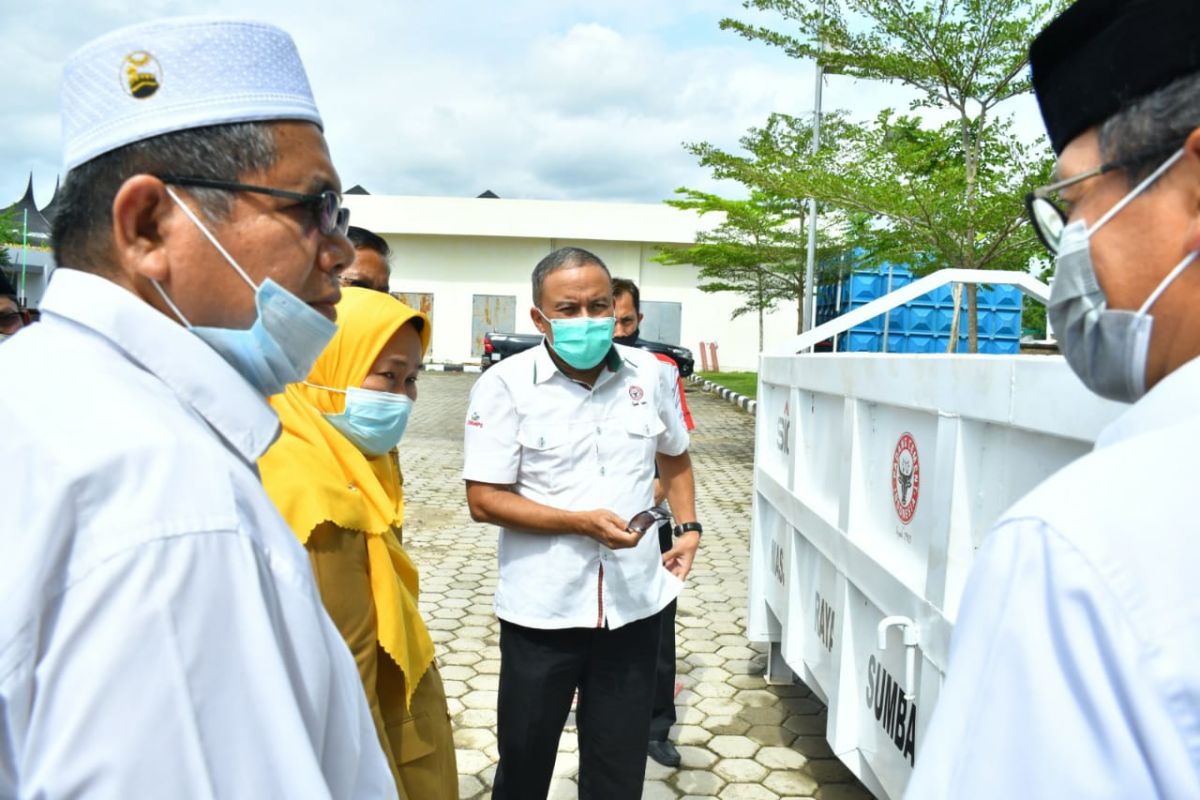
(582, 342)
(374, 422)
(283, 343)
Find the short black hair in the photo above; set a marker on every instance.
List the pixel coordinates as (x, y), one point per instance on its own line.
(82, 229)
(562, 258)
(626, 286)
(362, 238)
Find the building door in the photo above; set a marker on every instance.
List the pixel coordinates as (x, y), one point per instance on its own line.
(491, 312)
(423, 302)
(661, 321)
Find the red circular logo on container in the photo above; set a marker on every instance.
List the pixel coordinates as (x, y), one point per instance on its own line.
(906, 477)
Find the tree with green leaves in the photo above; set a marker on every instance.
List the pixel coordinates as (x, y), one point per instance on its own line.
(951, 191)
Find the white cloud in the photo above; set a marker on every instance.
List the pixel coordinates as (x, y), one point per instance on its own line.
(578, 99)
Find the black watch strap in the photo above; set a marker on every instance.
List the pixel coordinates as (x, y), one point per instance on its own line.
(688, 527)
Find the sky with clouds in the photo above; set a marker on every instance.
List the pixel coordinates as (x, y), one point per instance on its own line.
(537, 99)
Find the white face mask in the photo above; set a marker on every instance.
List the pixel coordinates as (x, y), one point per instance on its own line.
(1107, 348)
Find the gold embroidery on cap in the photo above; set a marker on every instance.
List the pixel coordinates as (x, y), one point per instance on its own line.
(141, 75)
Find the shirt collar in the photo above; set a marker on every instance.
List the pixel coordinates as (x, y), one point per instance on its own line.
(1170, 402)
(188, 366)
(544, 367)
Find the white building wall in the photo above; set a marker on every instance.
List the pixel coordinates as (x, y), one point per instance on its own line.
(454, 249)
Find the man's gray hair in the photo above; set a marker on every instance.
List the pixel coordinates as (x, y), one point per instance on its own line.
(82, 230)
(1152, 128)
(562, 258)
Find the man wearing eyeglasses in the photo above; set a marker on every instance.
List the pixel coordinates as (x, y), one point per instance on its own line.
(561, 445)
(12, 317)
(1073, 670)
(161, 634)
(370, 268)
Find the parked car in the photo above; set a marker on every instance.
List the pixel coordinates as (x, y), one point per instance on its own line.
(498, 346)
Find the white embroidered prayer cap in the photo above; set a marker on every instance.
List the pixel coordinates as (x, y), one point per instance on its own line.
(174, 74)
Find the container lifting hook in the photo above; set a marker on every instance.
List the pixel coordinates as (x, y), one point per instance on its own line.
(912, 637)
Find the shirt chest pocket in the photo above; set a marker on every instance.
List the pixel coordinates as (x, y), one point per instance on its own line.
(545, 454)
(639, 433)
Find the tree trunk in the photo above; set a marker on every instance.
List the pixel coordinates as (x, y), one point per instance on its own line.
(957, 292)
(973, 318)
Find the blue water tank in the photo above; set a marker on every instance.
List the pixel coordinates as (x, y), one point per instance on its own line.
(923, 325)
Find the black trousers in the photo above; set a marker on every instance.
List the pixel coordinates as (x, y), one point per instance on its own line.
(614, 671)
(662, 715)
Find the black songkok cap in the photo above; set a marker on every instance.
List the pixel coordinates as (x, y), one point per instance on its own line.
(1101, 55)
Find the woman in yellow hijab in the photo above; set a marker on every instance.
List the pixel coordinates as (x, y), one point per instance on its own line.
(334, 475)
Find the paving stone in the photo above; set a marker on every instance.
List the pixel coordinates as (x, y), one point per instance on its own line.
(658, 790)
(747, 791)
(740, 770)
(470, 761)
(563, 789)
(733, 746)
(479, 699)
(815, 724)
(695, 782)
(695, 757)
(473, 738)
(469, 786)
(477, 718)
(830, 770)
(465, 659)
(843, 791)
(813, 746)
(781, 758)
(721, 690)
(491, 682)
(764, 715)
(566, 765)
(771, 735)
(691, 734)
(790, 782)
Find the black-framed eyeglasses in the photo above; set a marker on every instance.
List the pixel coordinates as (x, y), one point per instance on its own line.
(1049, 218)
(326, 207)
(643, 521)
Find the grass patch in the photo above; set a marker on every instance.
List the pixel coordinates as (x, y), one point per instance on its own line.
(744, 383)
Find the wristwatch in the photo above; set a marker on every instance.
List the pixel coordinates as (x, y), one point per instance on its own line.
(688, 527)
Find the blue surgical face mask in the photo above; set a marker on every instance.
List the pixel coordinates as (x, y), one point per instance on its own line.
(582, 342)
(374, 422)
(283, 343)
(1107, 348)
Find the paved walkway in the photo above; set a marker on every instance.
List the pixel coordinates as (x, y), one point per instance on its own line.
(740, 739)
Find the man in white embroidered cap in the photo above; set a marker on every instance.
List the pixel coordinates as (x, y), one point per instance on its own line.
(160, 632)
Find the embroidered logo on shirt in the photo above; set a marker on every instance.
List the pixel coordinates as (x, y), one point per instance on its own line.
(637, 395)
(473, 420)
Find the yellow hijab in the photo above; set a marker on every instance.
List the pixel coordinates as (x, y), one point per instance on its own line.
(315, 475)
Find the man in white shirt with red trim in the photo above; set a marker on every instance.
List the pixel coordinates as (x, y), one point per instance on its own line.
(560, 449)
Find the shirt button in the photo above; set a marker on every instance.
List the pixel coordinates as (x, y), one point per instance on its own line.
(602, 470)
(352, 487)
(597, 429)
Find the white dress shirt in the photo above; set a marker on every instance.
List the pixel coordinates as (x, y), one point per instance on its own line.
(160, 631)
(566, 446)
(1075, 664)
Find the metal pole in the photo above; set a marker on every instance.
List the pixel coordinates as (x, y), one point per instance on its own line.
(24, 255)
(810, 298)
(887, 318)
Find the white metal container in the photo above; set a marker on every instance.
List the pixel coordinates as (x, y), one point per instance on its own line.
(876, 479)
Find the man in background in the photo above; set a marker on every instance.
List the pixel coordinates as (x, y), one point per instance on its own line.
(370, 268)
(627, 308)
(12, 316)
